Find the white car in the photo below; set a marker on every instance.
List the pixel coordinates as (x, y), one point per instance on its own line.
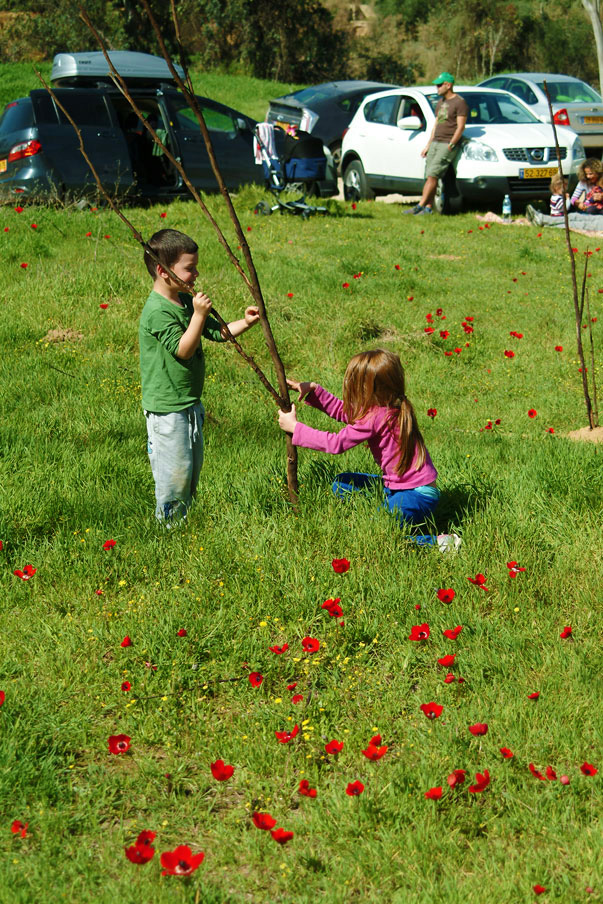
(506, 150)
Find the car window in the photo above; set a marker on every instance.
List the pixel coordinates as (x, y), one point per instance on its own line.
(409, 106)
(307, 95)
(521, 89)
(85, 109)
(383, 110)
(495, 83)
(485, 108)
(351, 104)
(215, 119)
(570, 92)
(16, 117)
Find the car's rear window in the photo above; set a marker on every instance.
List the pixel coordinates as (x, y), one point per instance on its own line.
(570, 92)
(491, 109)
(16, 117)
(86, 109)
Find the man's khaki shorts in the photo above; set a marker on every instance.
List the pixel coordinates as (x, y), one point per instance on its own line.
(439, 157)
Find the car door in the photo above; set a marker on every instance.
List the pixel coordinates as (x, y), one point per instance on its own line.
(103, 140)
(392, 155)
(233, 144)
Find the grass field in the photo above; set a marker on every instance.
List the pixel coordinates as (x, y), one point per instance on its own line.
(245, 573)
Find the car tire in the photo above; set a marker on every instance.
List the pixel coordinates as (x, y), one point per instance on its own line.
(448, 199)
(355, 185)
(335, 150)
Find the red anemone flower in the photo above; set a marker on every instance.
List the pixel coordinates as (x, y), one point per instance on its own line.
(479, 580)
(2, 697)
(291, 687)
(19, 209)
(255, 679)
(536, 773)
(534, 696)
(345, 285)
(305, 789)
(567, 632)
(538, 889)
(452, 633)
(509, 353)
(446, 661)
(457, 777)
(354, 789)
(588, 769)
(297, 698)
(449, 679)
(119, 743)
(181, 861)
(482, 780)
(373, 752)
(182, 632)
(340, 565)
(334, 746)
(434, 793)
(279, 650)
(550, 774)
(27, 573)
(480, 728)
(283, 737)
(333, 608)
(126, 642)
(221, 771)
(506, 753)
(126, 686)
(140, 854)
(532, 412)
(431, 710)
(281, 836)
(446, 595)
(419, 632)
(444, 334)
(558, 348)
(310, 644)
(375, 740)
(108, 544)
(431, 412)
(263, 821)
(19, 828)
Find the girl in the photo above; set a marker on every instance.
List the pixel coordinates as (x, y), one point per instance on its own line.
(589, 174)
(559, 196)
(376, 411)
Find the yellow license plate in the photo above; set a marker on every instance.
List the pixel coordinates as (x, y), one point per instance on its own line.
(589, 120)
(539, 172)
(3, 164)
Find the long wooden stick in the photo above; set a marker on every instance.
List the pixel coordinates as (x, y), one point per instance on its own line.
(577, 306)
(151, 253)
(252, 282)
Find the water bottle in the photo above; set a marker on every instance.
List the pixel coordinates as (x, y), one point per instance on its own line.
(506, 208)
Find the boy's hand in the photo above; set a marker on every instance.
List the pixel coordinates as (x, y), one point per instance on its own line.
(252, 315)
(201, 304)
(287, 420)
(302, 388)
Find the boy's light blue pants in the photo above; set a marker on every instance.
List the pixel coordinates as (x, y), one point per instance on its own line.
(175, 447)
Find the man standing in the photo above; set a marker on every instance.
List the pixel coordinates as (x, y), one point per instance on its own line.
(443, 146)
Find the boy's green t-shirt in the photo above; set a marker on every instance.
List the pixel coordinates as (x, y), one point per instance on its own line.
(170, 383)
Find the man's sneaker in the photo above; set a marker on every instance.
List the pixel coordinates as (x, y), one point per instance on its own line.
(424, 210)
(449, 542)
(533, 216)
(416, 209)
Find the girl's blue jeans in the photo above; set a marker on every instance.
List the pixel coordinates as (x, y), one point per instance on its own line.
(408, 506)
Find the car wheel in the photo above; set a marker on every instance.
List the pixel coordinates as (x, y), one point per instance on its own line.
(355, 185)
(335, 150)
(263, 207)
(448, 199)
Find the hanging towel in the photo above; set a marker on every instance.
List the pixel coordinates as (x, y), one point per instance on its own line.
(265, 132)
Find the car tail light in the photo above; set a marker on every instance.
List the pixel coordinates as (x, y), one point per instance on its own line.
(561, 118)
(344, 133)
(24, 149)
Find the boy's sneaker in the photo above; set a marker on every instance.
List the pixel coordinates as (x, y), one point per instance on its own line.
(533, 216)
(424, 210)
(416, 209)
(449, 542)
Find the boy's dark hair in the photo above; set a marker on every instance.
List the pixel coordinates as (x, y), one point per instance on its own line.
(169, 245)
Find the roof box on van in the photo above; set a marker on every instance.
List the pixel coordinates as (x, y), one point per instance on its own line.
(78, 69)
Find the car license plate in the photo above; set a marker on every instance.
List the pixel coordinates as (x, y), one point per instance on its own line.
(590, 120)
(3, 164)
(539, 172)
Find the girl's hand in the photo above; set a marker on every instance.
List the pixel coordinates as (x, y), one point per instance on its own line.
(252, 315)
(287, 420)
(302, 388)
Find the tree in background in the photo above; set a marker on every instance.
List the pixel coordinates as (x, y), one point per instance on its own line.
(593, 10)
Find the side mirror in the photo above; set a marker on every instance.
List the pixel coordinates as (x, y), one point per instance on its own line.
(242, 124)
(412, 123)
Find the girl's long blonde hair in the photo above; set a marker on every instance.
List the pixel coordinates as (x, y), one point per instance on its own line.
(376, 379)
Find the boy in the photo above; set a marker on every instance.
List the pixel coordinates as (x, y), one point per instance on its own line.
(172, 369)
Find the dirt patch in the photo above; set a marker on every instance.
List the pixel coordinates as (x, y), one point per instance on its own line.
(586, 435)
(61, 335)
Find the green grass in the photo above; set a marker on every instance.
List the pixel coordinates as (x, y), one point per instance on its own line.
(246, 573)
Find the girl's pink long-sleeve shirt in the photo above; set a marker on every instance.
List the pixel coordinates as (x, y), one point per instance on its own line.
(374, 429)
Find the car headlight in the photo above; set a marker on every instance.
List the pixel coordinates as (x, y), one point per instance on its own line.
(477, 150)
(578, 149)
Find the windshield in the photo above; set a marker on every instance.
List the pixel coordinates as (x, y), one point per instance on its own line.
(570, 92)
(491, 109)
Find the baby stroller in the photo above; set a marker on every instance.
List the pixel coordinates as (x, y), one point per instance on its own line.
(288, 160)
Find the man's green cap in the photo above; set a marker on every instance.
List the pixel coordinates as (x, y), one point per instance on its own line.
(443, 77)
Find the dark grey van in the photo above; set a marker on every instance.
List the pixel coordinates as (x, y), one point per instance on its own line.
(39, 150)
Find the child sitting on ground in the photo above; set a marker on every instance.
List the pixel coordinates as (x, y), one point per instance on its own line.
(172, 368)
(376, 411)
(559, 195)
